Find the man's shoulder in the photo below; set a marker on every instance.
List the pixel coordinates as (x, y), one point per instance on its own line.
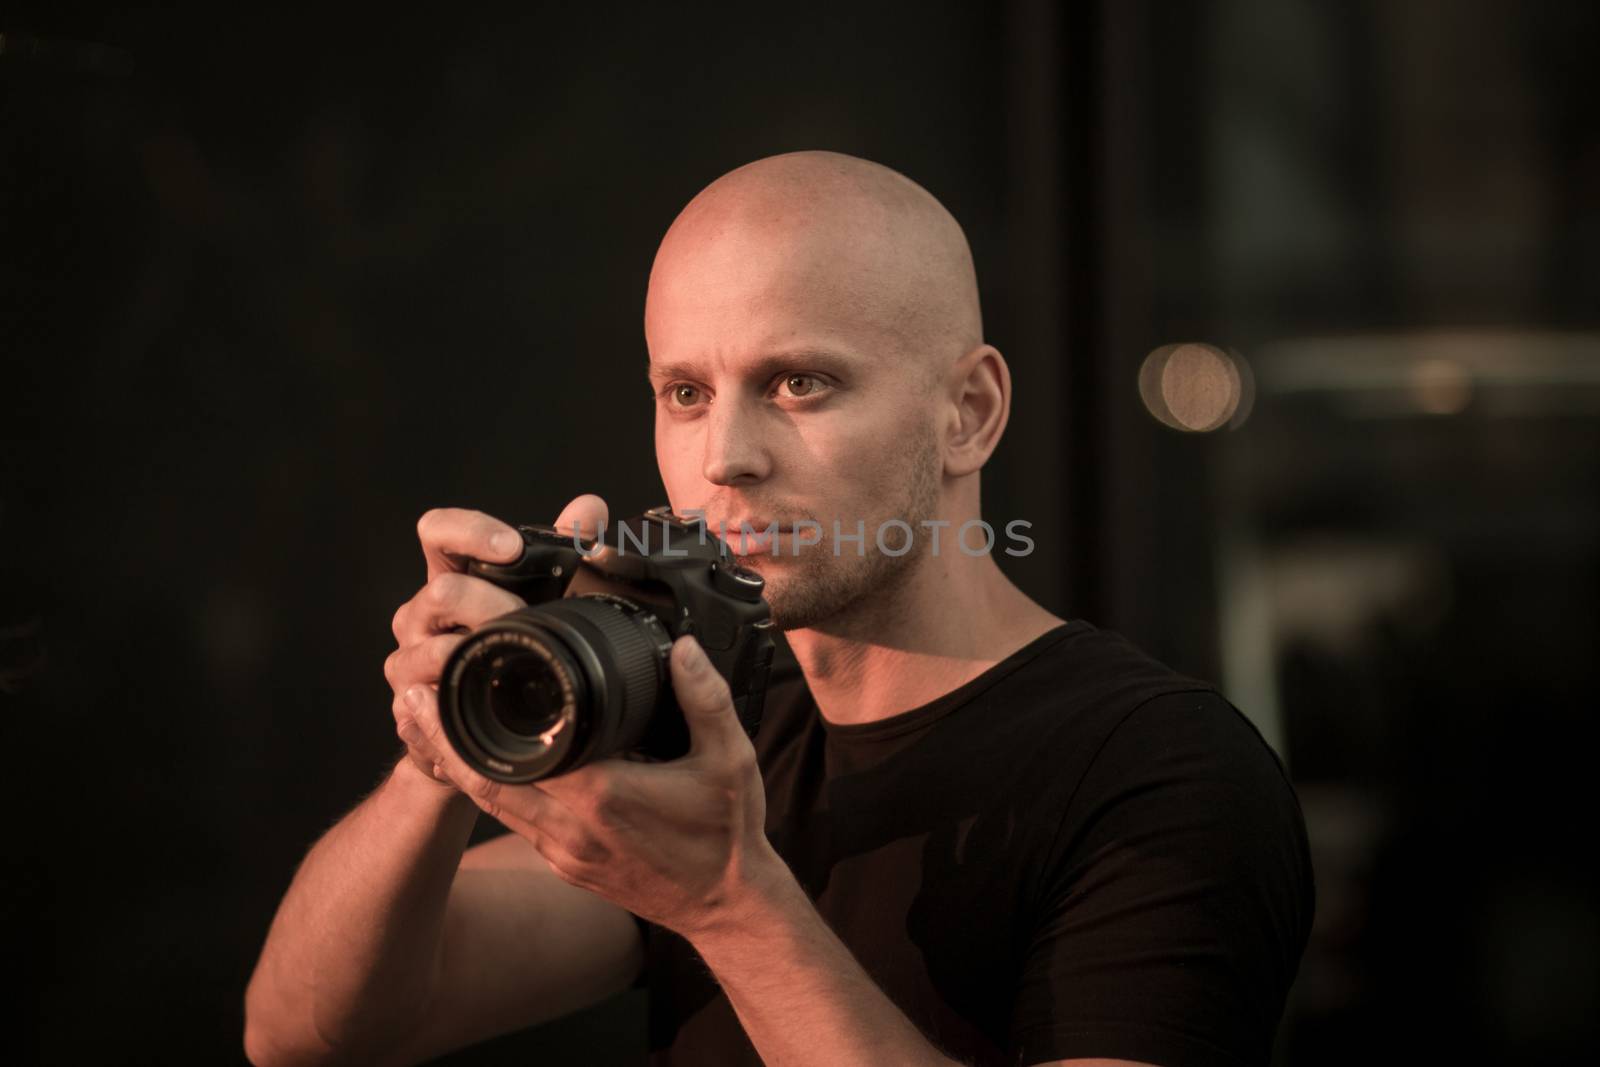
(1083, 681)
(1142, 698)
(1096, 701)
(1076, 676)
(1094, 664)
(1061, 697)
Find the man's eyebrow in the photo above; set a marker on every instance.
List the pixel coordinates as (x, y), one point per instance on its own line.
(764, 367)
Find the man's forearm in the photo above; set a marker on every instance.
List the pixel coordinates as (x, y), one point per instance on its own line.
(352, 952)
(801, 996)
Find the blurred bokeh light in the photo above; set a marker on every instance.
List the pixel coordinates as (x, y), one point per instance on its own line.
(1195, 387)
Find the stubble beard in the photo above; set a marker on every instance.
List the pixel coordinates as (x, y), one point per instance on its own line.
(817, 589)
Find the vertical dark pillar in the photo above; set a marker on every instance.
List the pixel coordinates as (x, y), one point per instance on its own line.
(1028, 481)
(1081, 243)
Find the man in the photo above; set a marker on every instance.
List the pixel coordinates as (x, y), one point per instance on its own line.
(977, 834)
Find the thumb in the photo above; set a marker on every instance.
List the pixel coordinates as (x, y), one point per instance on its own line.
(585, 516)
(706, 701)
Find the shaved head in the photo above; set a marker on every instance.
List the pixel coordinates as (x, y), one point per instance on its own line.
(867, 241)
(814, 330)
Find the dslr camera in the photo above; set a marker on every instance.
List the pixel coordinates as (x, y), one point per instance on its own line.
(581, 673)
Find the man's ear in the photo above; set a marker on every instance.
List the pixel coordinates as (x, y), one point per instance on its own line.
(979, 400)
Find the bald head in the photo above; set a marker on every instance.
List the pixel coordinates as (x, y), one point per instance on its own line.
(817, 356)
(850, 244)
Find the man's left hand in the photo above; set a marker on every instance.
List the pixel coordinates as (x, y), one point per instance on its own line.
(682, 844)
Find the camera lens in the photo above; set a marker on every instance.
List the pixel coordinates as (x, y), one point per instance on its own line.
(525, 694)
(512, 694)
(550, 687)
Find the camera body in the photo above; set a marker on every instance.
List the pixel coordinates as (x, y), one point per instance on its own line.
(582, 673)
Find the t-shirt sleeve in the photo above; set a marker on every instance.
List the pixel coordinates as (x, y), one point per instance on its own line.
(1176, 901)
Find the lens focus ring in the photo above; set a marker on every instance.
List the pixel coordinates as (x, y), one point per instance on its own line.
(638, 647)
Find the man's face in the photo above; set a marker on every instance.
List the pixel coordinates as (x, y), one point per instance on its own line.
(783, 394)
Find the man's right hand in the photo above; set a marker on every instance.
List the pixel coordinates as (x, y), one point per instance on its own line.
(429, 626)
(395, 942)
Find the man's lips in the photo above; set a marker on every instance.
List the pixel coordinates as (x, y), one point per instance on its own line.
(750, 538)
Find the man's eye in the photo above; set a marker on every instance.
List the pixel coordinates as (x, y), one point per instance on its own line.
(798, 385)
(685, 396)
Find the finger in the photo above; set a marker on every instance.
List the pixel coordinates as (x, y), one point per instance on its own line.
(406, 728)
(707, 705)
(586, 517)
(522, 808)
(420, 662)
(452, 602)
(451, 537)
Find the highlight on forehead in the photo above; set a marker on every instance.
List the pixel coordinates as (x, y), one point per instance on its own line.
(916, 270)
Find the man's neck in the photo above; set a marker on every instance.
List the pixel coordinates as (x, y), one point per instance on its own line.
(953, 618)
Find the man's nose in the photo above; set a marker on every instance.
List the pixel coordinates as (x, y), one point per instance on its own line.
(736, 452)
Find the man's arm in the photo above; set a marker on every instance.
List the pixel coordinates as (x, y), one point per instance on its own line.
(1173, 906)
(351, 952)
(391, 946)
(802, 997)
(521, 947)
(799, 993)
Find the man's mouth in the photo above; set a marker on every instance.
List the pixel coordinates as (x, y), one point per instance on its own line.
(753, 538)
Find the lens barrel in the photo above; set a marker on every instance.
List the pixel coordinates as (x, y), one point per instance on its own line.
(551, 687)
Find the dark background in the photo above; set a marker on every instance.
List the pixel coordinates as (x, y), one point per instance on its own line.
(273, 285)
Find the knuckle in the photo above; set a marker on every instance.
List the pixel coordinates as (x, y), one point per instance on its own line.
(716, 689)
(708, 688)
(484, 789)
(406, 729)
(485, 792)
(398, 621)
(443, 590)
(427, 720)
(439, 650)
(391, 666)
(588, 850)
(560, 870)
(563, 864)
(427, 733)
(710, 704)
(606, 800)
(743, 764)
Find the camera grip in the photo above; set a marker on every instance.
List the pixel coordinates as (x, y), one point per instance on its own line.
(549, 560)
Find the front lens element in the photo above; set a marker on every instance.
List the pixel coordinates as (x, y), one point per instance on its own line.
(514, 692)
(525, 694)
(551, 687)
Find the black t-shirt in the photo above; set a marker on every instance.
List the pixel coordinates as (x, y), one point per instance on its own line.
(1077, 853)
